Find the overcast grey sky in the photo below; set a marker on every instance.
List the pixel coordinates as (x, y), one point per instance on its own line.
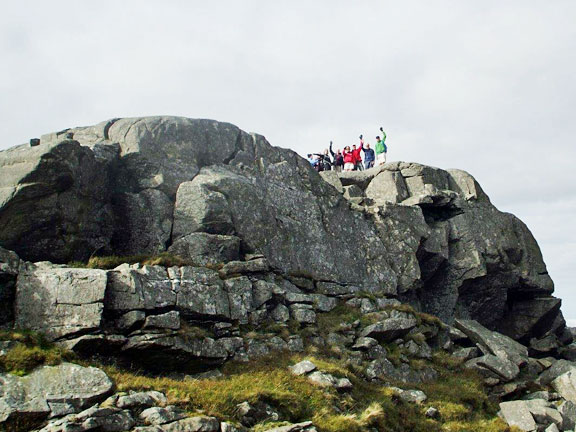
(486, 86)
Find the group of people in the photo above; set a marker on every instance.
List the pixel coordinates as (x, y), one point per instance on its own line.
(350, 159)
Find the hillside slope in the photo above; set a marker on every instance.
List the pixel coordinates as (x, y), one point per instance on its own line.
(182, 246)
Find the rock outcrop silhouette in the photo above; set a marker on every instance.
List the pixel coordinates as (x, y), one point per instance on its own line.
(215, 195)
(264, 243)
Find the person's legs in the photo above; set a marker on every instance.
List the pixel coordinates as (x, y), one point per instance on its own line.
(368, 164)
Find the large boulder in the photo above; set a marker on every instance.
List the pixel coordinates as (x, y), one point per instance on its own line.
(455, 255)
(290, 215)
(505, 369)
(565, 385)
(389, 329)
(211, 193)
(60, 302)
(196, 292)
(493, 343)
(54, 201)
(62, 389)
(207, 249)
(517, 413)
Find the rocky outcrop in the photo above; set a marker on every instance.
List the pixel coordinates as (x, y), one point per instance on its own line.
(258, 227)
(9, 269)
(457, 254)
(58, 301)
(51, 390)
(71, 397)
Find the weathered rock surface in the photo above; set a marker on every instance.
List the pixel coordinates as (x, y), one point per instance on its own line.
(161, 415)
(271, 246)
(389, 329)
(66, 387)
(554, 371)
(303, 367)
(9, 269)
(60, 302)
(412, 396)
(516, 413)
(202, 248)
(54, 201)
(491, 342)
(141, 399)
(212, 193)
(565, 385)
(296, 427)
(194, 424)
(503, 368)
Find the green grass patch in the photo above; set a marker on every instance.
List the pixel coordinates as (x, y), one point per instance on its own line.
(163, 259)
(459, 395)
(342, 314)
(32, 350)
(461, 398)
(189, 332)
(370, 296)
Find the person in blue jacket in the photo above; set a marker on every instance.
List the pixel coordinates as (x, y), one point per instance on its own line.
(369, 156)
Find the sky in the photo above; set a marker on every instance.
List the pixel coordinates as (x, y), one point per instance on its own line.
(488, 87)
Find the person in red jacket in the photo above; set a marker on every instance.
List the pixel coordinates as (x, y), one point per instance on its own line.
(357, 156)
(349, 159)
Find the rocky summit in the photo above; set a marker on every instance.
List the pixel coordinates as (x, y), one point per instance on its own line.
(181, 246)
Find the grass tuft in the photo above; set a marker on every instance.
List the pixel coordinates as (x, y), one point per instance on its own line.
(342, 314)
(458, 394)
(163, 259)
(31, 351)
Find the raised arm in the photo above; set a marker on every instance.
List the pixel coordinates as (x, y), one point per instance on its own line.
(383, 134)
(331, 152)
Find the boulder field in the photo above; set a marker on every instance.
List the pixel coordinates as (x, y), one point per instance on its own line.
(265, 242)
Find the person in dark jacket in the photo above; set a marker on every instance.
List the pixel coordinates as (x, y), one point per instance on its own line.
(369, 156)
(337, 159)
(324, 161)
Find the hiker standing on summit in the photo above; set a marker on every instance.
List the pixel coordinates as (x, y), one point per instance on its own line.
(357, 158)
(368, 156)
(349, 159)
(338, 159)
(381, 148)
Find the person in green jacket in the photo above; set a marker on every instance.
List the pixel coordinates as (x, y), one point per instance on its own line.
(381, 148)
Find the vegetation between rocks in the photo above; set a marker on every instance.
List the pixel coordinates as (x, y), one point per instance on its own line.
(163, 259)
(29, 351)
(457, 394)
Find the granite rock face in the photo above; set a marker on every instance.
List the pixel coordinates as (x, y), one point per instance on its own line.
(60, 302)
(456, 255)
(9, 269)
(216, 195)
(51, 389)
